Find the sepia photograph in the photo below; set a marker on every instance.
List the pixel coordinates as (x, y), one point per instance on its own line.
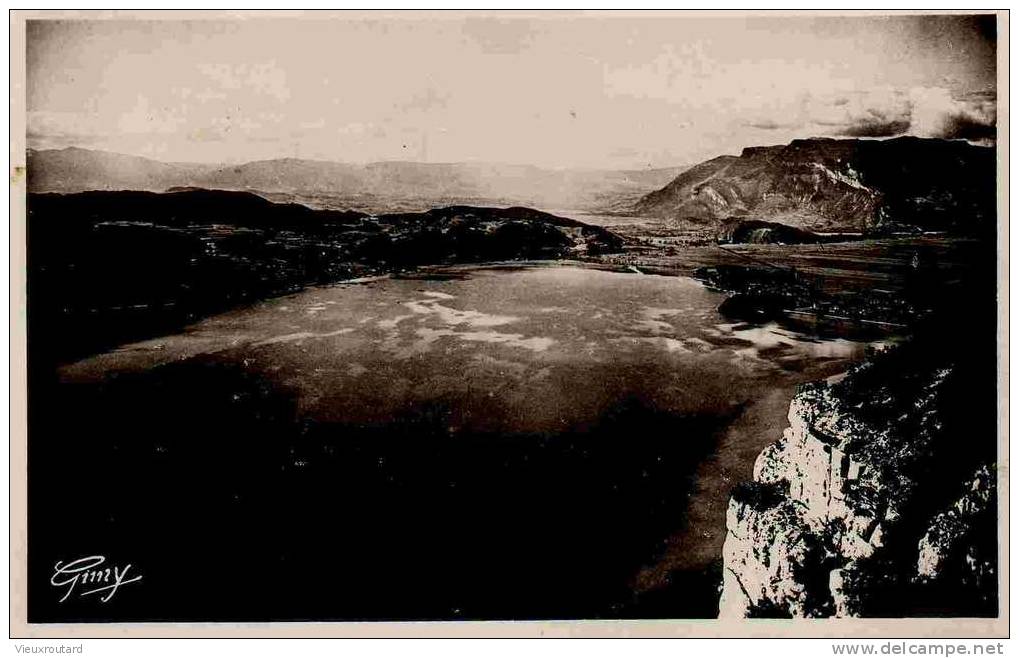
(510, 316)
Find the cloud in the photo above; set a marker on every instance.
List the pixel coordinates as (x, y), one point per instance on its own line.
(936, 113)
(769, 124)
(886, 112)
(963, 127)
(675, 90)
(882, 121)
(875, 128)
(920, 111)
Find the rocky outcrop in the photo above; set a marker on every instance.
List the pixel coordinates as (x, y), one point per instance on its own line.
(869, 504)
(949, 530)
(839, 185)
(755, 231)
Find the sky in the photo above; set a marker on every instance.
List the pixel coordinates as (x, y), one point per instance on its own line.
(593, 91)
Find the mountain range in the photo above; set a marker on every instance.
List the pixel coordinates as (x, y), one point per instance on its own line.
(374, 187)
(814, 184)
(838, 185)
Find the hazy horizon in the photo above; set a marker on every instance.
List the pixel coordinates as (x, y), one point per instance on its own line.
(358, 163)
(563, 92)
(480, 163)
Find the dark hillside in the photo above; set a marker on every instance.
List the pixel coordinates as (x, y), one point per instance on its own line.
(108, 267)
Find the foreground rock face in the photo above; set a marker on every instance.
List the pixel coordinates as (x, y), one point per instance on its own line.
(869, 505)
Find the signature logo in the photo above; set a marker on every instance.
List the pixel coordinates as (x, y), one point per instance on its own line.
(88, 576)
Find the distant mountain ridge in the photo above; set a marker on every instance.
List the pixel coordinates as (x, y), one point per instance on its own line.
(78, 170)
(829, 184)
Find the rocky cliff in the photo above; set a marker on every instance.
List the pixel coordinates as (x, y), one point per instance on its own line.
(878, 500)
(839, 185)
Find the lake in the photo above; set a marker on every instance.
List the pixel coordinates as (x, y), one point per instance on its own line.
(475, 442)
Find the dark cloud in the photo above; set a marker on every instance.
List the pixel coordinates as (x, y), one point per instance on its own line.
(877, 122)
(873, 127)
(983, 95)
(925, 112)
(962, 126)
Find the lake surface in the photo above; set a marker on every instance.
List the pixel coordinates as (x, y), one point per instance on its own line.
(483, 442)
